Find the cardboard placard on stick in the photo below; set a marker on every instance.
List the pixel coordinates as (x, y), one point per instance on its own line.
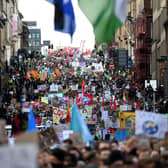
(77, 139)
(48, 138)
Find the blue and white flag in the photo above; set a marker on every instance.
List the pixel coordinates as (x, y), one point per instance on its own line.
(78, 125)
(64, 19)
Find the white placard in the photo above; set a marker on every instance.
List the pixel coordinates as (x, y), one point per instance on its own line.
(151, 124)
(66, 134)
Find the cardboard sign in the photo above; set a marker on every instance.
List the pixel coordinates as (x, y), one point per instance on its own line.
(87, 112)
(41, 87)
(126, 118)
(44, 100)
(48, 138)
(125, 107)
(66, 134)
(77, 139)
(22, 155)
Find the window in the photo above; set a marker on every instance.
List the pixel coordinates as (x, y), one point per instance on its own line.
(37, 35)
(151, 4)
(33, 35)
(29, 36)
(37, 43)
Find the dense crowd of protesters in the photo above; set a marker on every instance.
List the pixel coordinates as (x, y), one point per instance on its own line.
(134, 153)
(61, 77)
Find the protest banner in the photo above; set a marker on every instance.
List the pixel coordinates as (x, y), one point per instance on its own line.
(42, 87)
(151, 124)
(58, 114)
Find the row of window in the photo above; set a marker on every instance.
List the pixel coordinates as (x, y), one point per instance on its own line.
(34, 35)
(34, 43)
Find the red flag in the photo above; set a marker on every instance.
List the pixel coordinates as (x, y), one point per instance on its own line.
(36, 103)
(103, 101)
(68, 117)
(83, 85)
(111, 102)
(79, 100)
(115, 105)
(138, 104)
(16, 125)
(28, 75)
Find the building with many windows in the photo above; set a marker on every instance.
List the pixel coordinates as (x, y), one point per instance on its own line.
(10, 35)
(159, 59)
(34, 40)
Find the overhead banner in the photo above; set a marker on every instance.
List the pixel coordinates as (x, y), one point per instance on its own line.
(151, 124)
(15, 24)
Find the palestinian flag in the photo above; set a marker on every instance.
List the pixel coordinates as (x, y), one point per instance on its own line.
(106, 16)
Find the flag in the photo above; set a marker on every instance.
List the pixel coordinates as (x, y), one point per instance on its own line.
(103, 101)
(31, 122)
(78, 125)
(68, 58)
(115, 105)
(83, 85)
(36, 103)
(111, 101)
(68, 117)
(107, 18)
(88, 98)
(28, 76)
(138, 103)
(64, 19)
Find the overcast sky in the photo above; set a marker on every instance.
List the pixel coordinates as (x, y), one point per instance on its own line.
(43, 12)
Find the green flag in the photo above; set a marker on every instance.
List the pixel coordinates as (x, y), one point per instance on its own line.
(106, 16)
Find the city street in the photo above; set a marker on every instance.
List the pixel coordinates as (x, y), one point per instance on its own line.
(68, 102)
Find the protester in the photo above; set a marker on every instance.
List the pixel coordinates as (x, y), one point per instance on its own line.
(51, 85)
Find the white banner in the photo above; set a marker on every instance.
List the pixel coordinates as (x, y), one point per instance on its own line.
(151, 124)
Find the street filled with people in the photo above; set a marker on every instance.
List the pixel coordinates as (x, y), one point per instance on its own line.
(112, 103)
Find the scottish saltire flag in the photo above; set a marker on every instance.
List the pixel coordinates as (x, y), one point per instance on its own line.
(64, 19)
(31, 122)
(78, 125)
(106, 16)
